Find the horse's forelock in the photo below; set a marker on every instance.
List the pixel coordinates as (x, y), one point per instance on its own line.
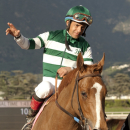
(90, 68)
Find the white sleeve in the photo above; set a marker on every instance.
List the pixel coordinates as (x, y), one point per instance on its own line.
(23, 42)
(44, 37)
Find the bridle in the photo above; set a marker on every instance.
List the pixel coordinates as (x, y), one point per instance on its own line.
(83, 121)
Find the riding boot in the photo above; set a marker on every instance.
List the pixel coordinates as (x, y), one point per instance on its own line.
(36, 104)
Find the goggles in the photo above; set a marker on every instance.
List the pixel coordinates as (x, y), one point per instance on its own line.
(82, 17)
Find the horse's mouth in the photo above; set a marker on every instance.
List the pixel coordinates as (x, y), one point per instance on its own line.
(90, 124)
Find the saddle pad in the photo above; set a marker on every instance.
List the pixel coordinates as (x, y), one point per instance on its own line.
(38, 114)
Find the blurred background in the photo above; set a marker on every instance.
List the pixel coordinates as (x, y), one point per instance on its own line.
(109, 33)
(21, 70)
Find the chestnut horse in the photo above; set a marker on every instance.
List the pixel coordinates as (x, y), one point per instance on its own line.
(81, 101)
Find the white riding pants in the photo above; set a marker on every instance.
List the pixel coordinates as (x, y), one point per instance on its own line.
(46, 87)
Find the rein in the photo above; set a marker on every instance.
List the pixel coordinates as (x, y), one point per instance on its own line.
(83, 122)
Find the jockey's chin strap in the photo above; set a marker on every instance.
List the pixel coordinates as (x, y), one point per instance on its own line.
(83, 122)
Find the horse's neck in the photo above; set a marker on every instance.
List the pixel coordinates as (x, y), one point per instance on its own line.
(64, 100)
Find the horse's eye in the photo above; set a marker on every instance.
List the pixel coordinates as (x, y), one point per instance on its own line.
(84, 94)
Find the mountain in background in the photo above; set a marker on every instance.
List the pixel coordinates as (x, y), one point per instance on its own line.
(109, 33)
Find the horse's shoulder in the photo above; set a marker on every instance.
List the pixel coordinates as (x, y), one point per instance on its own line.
(52, 98)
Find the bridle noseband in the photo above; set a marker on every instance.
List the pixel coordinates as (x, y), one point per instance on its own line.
(83, 122)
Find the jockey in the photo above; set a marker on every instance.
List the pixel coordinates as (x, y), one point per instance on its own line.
(61, 49)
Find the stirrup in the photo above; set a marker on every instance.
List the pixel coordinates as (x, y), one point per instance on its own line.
(28, 125)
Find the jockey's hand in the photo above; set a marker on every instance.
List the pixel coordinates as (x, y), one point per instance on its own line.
(12, 30)
(63, 71)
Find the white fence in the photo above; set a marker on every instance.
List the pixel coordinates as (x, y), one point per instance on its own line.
(117, 115)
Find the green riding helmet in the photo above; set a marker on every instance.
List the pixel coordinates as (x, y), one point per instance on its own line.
(79, 14)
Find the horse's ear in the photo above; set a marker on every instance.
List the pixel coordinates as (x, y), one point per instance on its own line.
(80, 62)
(101, 64)
(102, 60)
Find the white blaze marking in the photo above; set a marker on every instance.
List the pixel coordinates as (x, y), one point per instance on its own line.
(98, 103)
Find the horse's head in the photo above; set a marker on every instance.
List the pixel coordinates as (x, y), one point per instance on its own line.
(91, 93)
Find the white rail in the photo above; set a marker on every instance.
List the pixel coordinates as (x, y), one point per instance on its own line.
(117, 115)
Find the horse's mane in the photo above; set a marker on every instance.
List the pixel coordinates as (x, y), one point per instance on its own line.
(65, 81)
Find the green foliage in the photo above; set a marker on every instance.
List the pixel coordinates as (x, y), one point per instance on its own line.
(117, 81)
(109, 103)
(117, 109)
(117, 103)
(18, 85)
